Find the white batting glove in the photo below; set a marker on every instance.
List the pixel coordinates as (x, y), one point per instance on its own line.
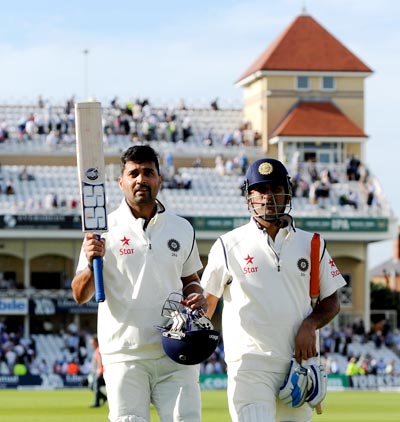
(317, 385)
(294, 389)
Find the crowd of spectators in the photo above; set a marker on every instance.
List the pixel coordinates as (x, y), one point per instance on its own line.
(327, 186)
(136, 119)
(18, 355)
(338, 343)
(140, 122)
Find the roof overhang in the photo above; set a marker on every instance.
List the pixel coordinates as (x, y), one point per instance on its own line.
(318, 139)
(265, 73)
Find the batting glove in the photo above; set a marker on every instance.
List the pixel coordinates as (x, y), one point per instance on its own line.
(317, 385)
(294, 389)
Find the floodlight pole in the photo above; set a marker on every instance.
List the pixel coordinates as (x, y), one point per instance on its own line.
(86, 74)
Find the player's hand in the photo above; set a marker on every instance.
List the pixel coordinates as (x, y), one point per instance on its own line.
(93, 246)
(305, 341)
(195, 300)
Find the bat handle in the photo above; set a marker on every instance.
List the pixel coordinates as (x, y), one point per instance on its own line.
(319, 407)
(98, 278)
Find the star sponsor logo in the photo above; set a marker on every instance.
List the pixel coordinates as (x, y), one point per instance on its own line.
(125, 249)
(249, 259)
(247, 269)
(334, 271)
(125, 241)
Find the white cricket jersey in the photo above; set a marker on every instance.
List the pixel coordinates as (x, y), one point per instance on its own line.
(265, 285)
(141, 268)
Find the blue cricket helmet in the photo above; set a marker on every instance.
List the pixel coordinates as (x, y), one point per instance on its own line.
(267, 170)
(273, 172)
(189, 337)
(192, 348)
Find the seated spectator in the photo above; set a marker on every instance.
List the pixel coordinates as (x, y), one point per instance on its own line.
(24, 175)
(213, 365)
(333, 176)
(350, 199)
(370, 193)
(238, 137)
(179, 182)
(53, 138)
(208, 140)
(172, 130)
(381, 366)
(20, 367)
(301, 188)
(256, 138)
(73, 367)
(322, 191)
(331, 365)
(10, 190)
(186, 129)
(229, 167)
(390, 368)
(352, 369)
(3, 132)
(243, 163)
(227, 139)
(197, 163)
(43, 367)
(219, 165)
(169, 164)
(377, 338)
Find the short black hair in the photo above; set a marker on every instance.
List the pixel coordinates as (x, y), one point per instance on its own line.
(140, 154)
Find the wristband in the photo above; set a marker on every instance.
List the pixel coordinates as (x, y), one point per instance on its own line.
(196, 282)
(90, 267)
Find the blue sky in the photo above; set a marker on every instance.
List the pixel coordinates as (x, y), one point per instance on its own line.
(196, 50)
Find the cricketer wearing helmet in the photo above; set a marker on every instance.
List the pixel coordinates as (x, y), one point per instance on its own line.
(262, 270)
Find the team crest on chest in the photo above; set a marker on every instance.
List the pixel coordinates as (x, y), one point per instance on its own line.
(303, 264)
(174, 245)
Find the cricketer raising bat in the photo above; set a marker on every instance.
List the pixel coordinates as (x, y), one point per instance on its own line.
(91, 174)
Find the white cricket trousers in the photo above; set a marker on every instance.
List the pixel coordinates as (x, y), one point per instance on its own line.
(173, 389)
(252, 397)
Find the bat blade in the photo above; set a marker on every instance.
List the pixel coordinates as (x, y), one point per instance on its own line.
(91, 174)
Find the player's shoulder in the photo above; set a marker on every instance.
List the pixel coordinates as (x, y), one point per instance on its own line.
(303, 234)
(237, 234)
(305, 237)
(176, 221)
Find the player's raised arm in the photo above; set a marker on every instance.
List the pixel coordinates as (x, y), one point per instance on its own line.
(83, 286)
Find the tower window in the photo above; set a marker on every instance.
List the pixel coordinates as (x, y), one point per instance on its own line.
(303, 82)
(328, 83)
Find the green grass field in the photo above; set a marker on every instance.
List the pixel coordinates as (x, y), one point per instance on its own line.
(73, 406)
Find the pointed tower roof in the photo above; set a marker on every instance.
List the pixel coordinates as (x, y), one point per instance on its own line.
(317, 118)
(306, 46)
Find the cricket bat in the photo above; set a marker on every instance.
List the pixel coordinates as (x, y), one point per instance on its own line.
(314, 292)
(91, 175)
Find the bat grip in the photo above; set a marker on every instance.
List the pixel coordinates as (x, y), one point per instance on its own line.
(98, 278)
